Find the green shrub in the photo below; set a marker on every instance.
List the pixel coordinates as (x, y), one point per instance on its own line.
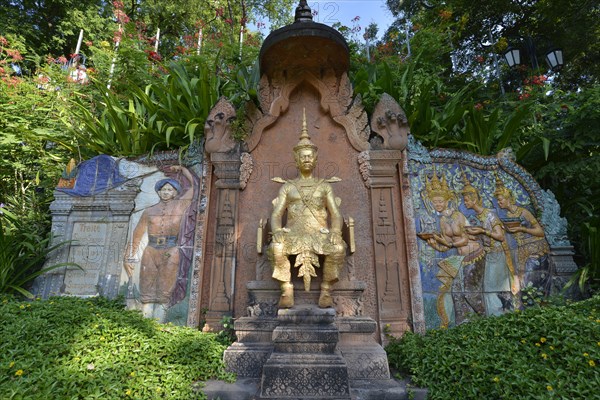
(68, 348)
(540, 353)
(22, 253)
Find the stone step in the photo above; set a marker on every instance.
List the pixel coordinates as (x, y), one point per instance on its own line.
(249, 389)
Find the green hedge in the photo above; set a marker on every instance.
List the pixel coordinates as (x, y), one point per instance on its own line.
(68, 348)
(541, 353)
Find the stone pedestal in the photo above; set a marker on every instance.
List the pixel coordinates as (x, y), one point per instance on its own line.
(366, 359)
(253, 347)
(305, 362)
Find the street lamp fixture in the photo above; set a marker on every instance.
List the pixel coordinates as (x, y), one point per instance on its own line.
(513, 57)
(554, 58)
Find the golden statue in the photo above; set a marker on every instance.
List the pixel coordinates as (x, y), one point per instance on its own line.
(308, 201)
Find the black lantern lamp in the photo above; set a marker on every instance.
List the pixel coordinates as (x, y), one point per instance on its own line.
(554, 58)
(512, 57)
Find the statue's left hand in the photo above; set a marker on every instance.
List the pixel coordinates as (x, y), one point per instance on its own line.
(336, 239)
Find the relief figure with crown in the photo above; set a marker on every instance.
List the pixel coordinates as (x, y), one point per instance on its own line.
(461, 256)
(526, 234)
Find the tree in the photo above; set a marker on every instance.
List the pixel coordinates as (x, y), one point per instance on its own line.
(52, 27)
(573, 26)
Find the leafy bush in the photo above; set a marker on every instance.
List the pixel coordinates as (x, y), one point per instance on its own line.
(91, 348)
(540, 353)
(22, 254)
(169, 113)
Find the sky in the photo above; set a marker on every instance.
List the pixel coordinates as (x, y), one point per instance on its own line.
(343, 11)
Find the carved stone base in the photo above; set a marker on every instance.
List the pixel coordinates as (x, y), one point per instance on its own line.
(247, 356)
(561, 260)
(247, 359)
(264, 297)
(293, 376)
(304, 362)
(365, 357)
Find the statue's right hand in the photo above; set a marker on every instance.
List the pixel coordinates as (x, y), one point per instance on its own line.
(129, 267)
(278, 237)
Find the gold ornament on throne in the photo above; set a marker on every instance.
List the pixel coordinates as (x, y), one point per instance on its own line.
(308, 202)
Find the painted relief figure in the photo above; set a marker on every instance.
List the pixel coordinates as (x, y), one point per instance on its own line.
(166, 258)
(531, 245)
(500, 280)
(462, 266)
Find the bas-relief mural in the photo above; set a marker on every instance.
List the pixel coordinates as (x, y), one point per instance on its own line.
(158, 255)
(131, 227)
(480, 240)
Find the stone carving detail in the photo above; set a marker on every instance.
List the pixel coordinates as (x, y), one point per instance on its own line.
(390, 122)
(366, 365)
(294, 382)
(356, 123)
(364, 166)
(265, 309)
(346, 307)
(245, 363)
(194, 310)
(555, 225)
(217, 129)
(504, 221)
(416, 151)
(245, 169)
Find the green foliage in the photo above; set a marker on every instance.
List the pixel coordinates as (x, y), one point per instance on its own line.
(531, 296)
(486, 133)
(226, 336)
(22, 253)
(437, 117)
(65, 348)
(540, 353)
(166, 114)
(53, 27)
(31, 162)
(588, 276)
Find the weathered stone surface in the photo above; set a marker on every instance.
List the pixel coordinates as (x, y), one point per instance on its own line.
(247, 359)
(305, 362)
(294, 376)
(360, 389)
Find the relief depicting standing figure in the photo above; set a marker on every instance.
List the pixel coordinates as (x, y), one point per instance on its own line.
(308, 201)
(462, 274)
(532, 246)
(166, 225)
(500, 276)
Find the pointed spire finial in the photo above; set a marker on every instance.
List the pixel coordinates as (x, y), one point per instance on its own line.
(304, 141)
(303, 12)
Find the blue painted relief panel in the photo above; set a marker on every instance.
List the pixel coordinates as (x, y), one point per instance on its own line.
(481, 240)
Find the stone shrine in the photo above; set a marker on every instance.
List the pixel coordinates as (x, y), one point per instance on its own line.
(425, 238)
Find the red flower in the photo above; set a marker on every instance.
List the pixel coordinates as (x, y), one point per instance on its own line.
(478, 106)
(14, 54)
(154, 56)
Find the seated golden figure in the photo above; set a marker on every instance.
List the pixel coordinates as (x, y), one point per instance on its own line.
(308, 201)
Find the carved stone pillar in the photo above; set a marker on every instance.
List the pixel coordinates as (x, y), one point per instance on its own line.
(221, 262)
(393, 295)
